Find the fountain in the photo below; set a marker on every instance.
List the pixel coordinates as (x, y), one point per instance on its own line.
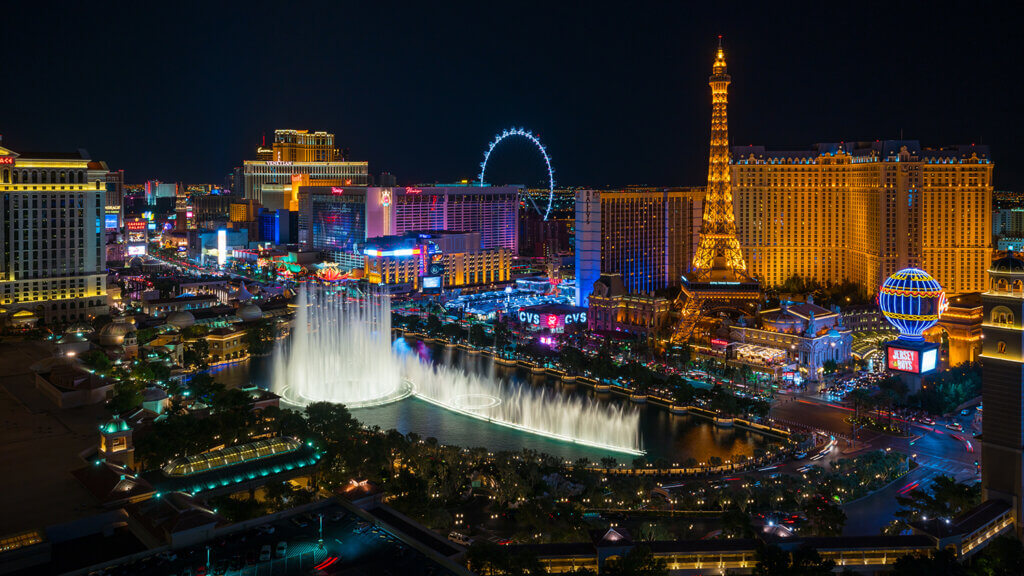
(340, 351)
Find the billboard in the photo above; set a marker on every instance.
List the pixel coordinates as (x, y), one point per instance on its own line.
(431, 283)
(915, 361)
(139, 250)
(903, 360)
(110, 221)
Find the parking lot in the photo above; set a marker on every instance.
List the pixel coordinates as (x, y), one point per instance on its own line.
(292, 546)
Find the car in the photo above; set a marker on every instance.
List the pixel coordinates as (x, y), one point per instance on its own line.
(965, 412)
(266, 529)
(265, 553)
(282, 549)
(800, 455)
(955, 426)
(928, 421)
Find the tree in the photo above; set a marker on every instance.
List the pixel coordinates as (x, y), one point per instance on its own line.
(478, 336)
(805, 561)
(433, 325)
(826, 518)
(940, 563)
(736, 524)
(196, 354)
(1003, 555)
(96, 359)
(637, 562)
(260, 337)
(829, 367)
(944, 498)
(127, 395)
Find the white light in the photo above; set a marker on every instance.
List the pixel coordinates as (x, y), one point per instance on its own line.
(222, 247)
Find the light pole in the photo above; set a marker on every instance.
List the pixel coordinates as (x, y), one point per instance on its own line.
(207, 558)
(320, 542)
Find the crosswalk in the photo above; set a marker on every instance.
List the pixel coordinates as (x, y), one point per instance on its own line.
(937, 467)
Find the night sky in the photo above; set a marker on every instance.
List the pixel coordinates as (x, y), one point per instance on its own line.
(618, 91)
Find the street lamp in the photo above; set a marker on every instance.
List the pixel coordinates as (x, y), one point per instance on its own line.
(320, 542)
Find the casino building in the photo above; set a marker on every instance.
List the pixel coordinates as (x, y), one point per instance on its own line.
(863, 210)
(335, 218)
(299, 152)
(647, 235)
(53, 262)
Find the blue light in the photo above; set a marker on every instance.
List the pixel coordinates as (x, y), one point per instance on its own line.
(547, 160)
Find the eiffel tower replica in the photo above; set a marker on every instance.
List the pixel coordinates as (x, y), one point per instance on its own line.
(718, 279)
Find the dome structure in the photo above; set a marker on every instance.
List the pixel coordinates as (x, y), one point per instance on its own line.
(181, 319)
(113, 334)
(912, 301)
(1008, 265)
(79, 328)
(249, 313)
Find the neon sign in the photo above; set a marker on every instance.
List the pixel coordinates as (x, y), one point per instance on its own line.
(385, 198)
(409, 190)
(719, 342)
(336, 190)
(9, 160)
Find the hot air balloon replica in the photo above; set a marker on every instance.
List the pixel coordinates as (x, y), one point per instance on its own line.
(912, 301)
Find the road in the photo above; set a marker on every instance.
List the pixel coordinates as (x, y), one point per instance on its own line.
(936, 449)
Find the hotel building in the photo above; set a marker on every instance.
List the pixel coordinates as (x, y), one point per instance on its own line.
(648, 235)
(1002, 361)
(335, 218)
(299, 152)
(53, 262)
(861, 211)
(407, 262)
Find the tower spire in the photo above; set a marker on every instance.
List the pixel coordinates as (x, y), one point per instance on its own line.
(719, 248)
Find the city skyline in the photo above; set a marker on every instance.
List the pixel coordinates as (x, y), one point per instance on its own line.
(427, 89)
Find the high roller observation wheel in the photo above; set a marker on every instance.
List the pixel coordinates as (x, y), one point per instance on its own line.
(543, 151)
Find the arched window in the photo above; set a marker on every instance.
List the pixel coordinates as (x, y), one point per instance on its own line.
(1001, 285)
(1001, 347)
(7, 176)
(1002, 316)
(1018, 286)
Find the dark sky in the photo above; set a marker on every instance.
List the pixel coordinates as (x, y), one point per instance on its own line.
(617, 91)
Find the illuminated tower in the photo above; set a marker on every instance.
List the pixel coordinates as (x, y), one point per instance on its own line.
(1002, 361)
(719, 247)
(717, 281)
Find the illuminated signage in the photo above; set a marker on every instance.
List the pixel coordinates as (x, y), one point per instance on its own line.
(431, 282)
(396, 252)
(529, 317)
(929, 358)
(413, 191)
(135, 225)
(278, 163)
(337, 191)
(137, 250)
(719, 342)
(903, 360)
(385, 198)
(576, 318)
(110, 221)
(8, 160)
(222, 247)
(552, 320)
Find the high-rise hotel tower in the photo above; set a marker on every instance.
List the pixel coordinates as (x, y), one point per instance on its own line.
(52, 249)
(299, 152)
(864, 210)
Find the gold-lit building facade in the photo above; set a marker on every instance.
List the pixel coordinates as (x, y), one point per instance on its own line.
(296, 152)
(52, 250)
(862, 211)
